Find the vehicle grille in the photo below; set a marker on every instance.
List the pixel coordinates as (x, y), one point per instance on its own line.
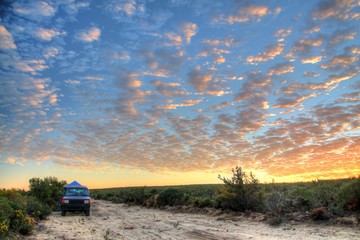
(73, 201)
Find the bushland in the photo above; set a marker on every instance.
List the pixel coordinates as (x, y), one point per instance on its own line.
(20, 210)
(242, 192)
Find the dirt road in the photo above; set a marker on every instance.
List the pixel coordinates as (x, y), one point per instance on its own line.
(118, 221)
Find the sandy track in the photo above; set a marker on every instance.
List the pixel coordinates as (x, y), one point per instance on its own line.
(118, 221)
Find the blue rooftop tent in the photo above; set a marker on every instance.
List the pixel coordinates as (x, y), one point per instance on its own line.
(74, 184)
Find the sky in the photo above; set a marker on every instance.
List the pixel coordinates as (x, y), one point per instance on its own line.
(165, 92)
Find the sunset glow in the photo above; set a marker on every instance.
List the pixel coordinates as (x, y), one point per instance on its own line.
(135, 92)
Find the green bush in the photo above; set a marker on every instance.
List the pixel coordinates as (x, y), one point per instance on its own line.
(21, 223)
(16, 198)
(36, 209)
(203, 202)
(349, 196)
(170, 197)
(6, 213)
(46, 190)
(13, 217)
(241, 192)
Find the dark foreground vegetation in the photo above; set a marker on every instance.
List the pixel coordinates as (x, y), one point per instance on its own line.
(316, 200)
(20, 210)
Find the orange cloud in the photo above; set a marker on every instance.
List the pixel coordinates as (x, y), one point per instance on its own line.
(189, 30)
(270, 53)
(281, 69)
(200, 81)
(291, 102)
(311, 60)
(185, 103)
(336, 9)
(246, 14)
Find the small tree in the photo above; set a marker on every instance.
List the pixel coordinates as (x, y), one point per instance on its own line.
(46, 190)
(241, 192)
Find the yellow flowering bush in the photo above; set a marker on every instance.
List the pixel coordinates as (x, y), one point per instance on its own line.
(4, 227)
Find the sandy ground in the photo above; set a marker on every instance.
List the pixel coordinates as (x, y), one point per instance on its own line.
(119, 221)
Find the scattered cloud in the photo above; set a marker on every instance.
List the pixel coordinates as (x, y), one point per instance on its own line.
(189, 30)
(281, 68)
(199, 80)
(246, 14)
(181, 86)
(336, 9)
(6, 39)
(48, 34)
(311, 60)
(89, 35)
(35, 10)
(270, 53)
(185, 103)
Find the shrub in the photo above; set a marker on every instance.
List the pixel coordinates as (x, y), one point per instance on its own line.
(21, 223)
(203, 202)
(6, 213)
(46, 190)
(16, 198)
(349, 196)
(321, 213)
(302, 198)
(36, 209)
(276, 202)
(241, 192)
(170, 197)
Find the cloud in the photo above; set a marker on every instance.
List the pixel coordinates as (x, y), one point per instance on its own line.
(6, 39)
(311, 60)
(311, 74)
(11, 160)
(246, 14)
(48, 34)
(282, 33)
(129, 80)
(304, 46)
(35, 10)
(340, 36)
(292, 102)
(339, 62)
(270, 53)
(168, 89)
(281, 68)
(127, 7)
(199, 80)
(189, 30)
(185, 103)
(89, 35)
(51, 52)
(336, 9)
(175, 40)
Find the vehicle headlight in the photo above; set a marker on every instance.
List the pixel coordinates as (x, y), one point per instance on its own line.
(65, 201)
(86, 201)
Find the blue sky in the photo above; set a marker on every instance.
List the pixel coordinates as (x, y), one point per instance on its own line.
(174, 92)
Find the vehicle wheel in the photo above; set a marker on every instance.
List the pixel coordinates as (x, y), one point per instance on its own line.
(87, 213)
(63, 213)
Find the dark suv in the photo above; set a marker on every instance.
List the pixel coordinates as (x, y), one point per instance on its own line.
(75, 199)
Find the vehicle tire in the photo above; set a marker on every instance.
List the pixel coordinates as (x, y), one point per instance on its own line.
(87, 212)
(63, 213)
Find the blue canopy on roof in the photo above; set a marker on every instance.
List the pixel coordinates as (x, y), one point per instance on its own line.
(74, 184)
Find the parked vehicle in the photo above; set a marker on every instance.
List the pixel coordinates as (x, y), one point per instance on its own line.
(75, 198)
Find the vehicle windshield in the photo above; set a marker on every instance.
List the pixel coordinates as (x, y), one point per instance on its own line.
(76, 192)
